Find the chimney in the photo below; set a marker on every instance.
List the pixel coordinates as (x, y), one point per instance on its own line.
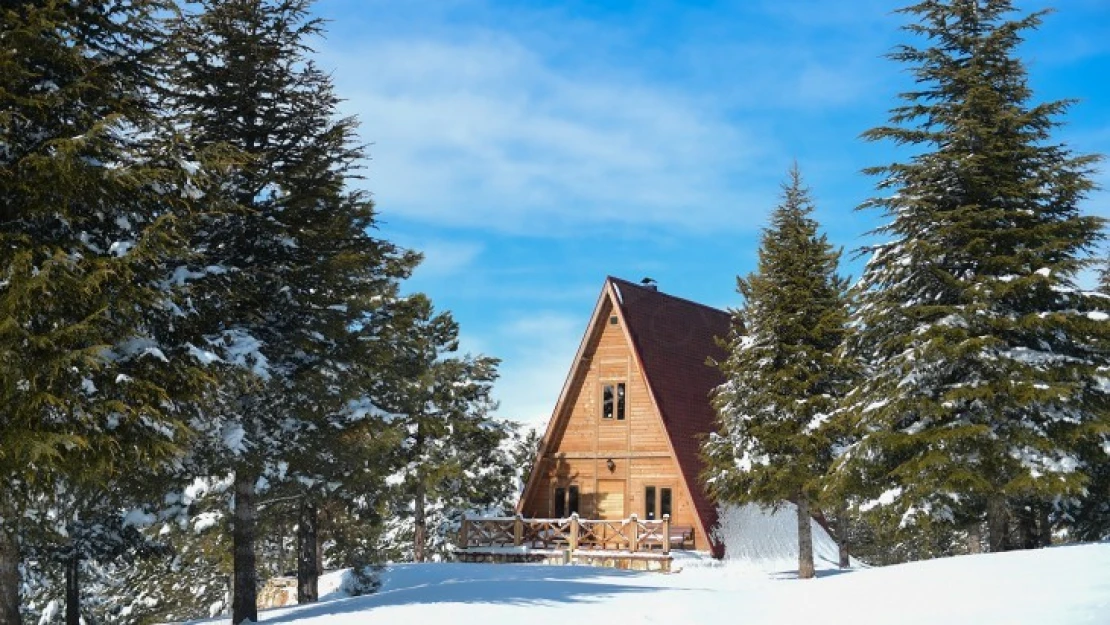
(650, 284)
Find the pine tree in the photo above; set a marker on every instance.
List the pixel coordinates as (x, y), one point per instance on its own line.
(92, 192)
(782, 371)
(983, 356)
(451, 457)
(295, 267)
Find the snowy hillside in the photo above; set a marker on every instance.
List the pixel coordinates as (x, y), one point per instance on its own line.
(1067, 585)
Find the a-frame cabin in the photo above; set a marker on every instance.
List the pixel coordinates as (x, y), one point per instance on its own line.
(625, 434)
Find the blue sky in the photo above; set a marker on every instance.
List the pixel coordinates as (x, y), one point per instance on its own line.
(529, 149)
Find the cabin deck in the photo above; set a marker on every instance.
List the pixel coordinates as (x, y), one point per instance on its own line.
(620, 543)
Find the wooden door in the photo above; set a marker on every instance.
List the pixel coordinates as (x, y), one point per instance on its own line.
(610, 499)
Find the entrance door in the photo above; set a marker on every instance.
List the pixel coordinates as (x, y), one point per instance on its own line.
(610, 499)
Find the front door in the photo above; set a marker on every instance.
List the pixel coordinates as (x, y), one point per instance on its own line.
(610, 499)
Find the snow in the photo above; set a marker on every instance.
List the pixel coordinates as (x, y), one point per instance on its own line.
(233, 438)
(1068, 585)
(138, 518)
(762, 539)
(885, 499)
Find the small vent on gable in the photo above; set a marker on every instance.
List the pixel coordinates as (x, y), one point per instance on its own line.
(613, 320)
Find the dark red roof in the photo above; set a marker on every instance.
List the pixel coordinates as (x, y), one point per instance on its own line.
(674, 339)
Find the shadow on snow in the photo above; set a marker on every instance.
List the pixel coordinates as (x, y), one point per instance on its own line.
(408, 584)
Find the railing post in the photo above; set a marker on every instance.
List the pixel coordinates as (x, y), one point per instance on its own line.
(634, 538)
(666, 534)
(573, 537)
(518, 531)
(464, 538)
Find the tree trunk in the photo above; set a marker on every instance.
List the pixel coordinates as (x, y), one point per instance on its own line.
(998, 524)
(805, 539)
(73, 590)
(974, 538)
(420, 538)
(842, 536)
(1027, 527)
(308, 575)
(1044, 525)
(244, 594)
(319, 544)
(9, 579)
(420, 533)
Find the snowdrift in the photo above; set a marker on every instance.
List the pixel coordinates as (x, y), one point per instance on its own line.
(766, 540)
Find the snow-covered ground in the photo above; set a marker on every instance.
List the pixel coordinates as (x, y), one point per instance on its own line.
(1058, 586)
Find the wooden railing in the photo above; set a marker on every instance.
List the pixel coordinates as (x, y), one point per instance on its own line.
(573, 533)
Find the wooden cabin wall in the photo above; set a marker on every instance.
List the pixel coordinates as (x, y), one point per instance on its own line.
(584, 442)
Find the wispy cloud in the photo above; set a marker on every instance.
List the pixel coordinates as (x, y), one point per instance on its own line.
(486, 133)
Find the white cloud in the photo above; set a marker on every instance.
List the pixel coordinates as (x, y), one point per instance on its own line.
(487, 133)
(444, 257)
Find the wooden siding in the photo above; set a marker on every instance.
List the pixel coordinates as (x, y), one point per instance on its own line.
(582, 442)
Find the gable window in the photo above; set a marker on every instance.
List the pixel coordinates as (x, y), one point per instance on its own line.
(565, 502)
(612, 401)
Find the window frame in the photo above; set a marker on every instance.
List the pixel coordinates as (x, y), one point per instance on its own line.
(614, 401)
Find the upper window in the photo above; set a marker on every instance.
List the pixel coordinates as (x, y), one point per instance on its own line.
(612, 401)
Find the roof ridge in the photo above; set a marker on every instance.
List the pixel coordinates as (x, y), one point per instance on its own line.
(658, 292)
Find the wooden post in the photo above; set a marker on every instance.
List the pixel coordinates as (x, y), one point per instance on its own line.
(463, 534)
(518, 531)
(666, 534)
(573, 537)
(634, 538)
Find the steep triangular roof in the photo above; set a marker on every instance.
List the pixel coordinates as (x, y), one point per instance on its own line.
(673, 338)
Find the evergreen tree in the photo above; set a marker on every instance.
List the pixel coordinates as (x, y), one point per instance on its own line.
(450, 458)
(982, 352)
(299, 268)
(782, 371)
(92, 192)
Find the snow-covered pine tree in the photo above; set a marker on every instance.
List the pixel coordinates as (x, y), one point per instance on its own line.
(1087, 517)
(451, 458)
(298, 265)
(982, 350)
(782, 371)
(92, 190)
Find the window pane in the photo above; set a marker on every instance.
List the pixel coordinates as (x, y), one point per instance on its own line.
(572, 500)
(649, 503)
(664, 501)
(607, 402)
(560, 503)
(620, 401)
